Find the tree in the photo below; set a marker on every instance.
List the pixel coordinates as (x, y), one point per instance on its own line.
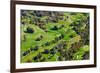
(46, 51)
(54, 28)
(24, 37)
(60, 58)
(31, 48)
(36, 48)
(29, 30)
(71, 36)
(47, 43)
(39, 38)
(26, 53)
(52, 51)
(35, 58)
(61, 36)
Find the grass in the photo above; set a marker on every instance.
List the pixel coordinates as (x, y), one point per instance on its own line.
(49, 36)
(80, 53)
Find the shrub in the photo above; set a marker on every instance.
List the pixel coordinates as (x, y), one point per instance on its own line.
(53, 41)
(41, 36)
(43, 59)
(61, 36)
(39, 55)
(57, 39)
(61, 26)
(38, 39)
(49, 57)
(29, 61)
(52, 52)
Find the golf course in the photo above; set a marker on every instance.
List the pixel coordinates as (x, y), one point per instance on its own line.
(48, 36)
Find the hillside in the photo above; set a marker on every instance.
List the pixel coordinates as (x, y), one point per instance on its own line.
(54, 36)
